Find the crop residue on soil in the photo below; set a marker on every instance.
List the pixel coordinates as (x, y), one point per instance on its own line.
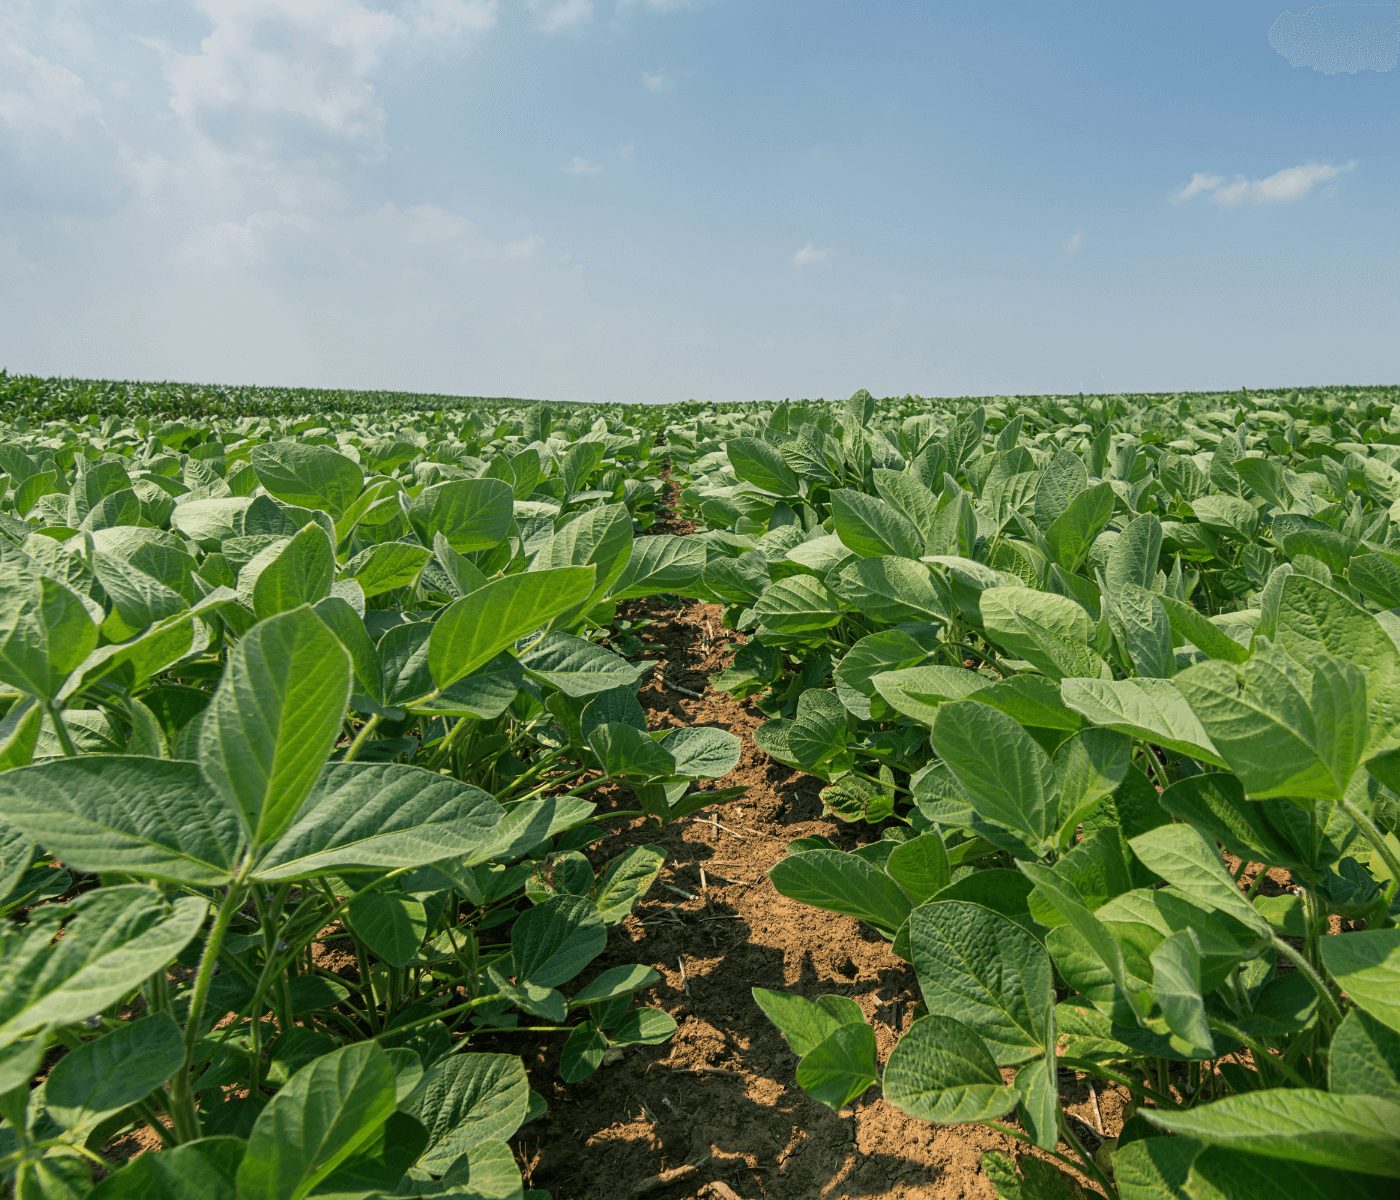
(716, 1112)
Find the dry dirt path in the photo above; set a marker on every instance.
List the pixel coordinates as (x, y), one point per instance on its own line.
(716, 1113)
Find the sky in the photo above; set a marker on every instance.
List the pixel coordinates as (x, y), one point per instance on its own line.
(652, 200)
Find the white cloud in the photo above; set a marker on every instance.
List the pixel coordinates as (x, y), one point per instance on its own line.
(810, 255)
(656, 81)
(561, 16)
(1282, 187)
(40, 98)
(627, 150)
(1075, 242)
(578, 165)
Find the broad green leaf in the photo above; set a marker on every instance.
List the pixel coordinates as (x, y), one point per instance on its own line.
(806, 1024)
(115, 1070)
(797, 605)
(1364, 1058)
(889, 590)
(873, 527)
(555, 940)
(1345, 1133)
(760, 464)
(298, 571)
(1053, 633)
(472, 514)
(1072, 533)
(273, 720)
(614, 983)
(840, 1068)
(702, 751)
(920, 867)
(625, 880)
(467, 1100)
(1176, 986)
(661, 564)
(630, 753)
(172, 1174)
(324, 1113)
(1284, 728)
(1150, 709)
(1012, 787)
(941, 1071)
(46, 632)
(843, 883)
(113, 940)
(146, 817)
(387, 816)
(1366, 965)
(983, 969)
(1185, 859)
(308, 475)
(578, 667)
(471, 631)
(391, 924)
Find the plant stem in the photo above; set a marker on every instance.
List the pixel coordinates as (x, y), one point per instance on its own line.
(1363, 822)
(360, 738)
(184, 1112)
(1319, 985)
(65, 738)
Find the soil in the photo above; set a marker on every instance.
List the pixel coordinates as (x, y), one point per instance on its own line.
(716, 1112)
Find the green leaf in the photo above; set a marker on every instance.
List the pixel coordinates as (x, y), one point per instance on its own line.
(1052, 633)
(115, 1070)
(1182, 856)
(1303, 1125)
(1176, 986)
(578, 667)
(873, 527)
(662, 564)
(298, 571)
(702, 751)
(796, 605)
(391, 924)
(642, 1027)
(387, 816)
(985, 970)
(1364, 1058)
(1072, 533)
(761, 464)
(840, 882)
(308, 475)
(582, 1053)
(1011, 788)
(273, 720)
(920, 866)
(552, 942)
(471, 631)
(472, 514)
(1284, 728)
(1366, 965)
(625, 880)
(146, 817)
(806, 1024)
(613, 983)
(324, 1113)
(841, 1067)
(45, 632)
(466, 1101)
(114, 939)
(1150, 709)
(172, 1174)
(630, 753)
(941, 1071)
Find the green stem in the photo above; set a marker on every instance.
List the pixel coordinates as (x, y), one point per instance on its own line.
(65, 739)
(183, 1110)
(360, 738)
(1090, 1167)
(1084, 1066)
(1319, 985)
(1377, 839)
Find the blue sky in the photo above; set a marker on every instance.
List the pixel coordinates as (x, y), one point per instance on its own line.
(727, 199)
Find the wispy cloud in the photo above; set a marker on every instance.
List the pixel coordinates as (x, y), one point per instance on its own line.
(1340, 39)
(810, 255)
(1075, 242)
(1282, 187)
(656, 81)
(561, 16)
(578, 165)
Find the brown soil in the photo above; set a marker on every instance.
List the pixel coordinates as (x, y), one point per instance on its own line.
(716, 1112)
